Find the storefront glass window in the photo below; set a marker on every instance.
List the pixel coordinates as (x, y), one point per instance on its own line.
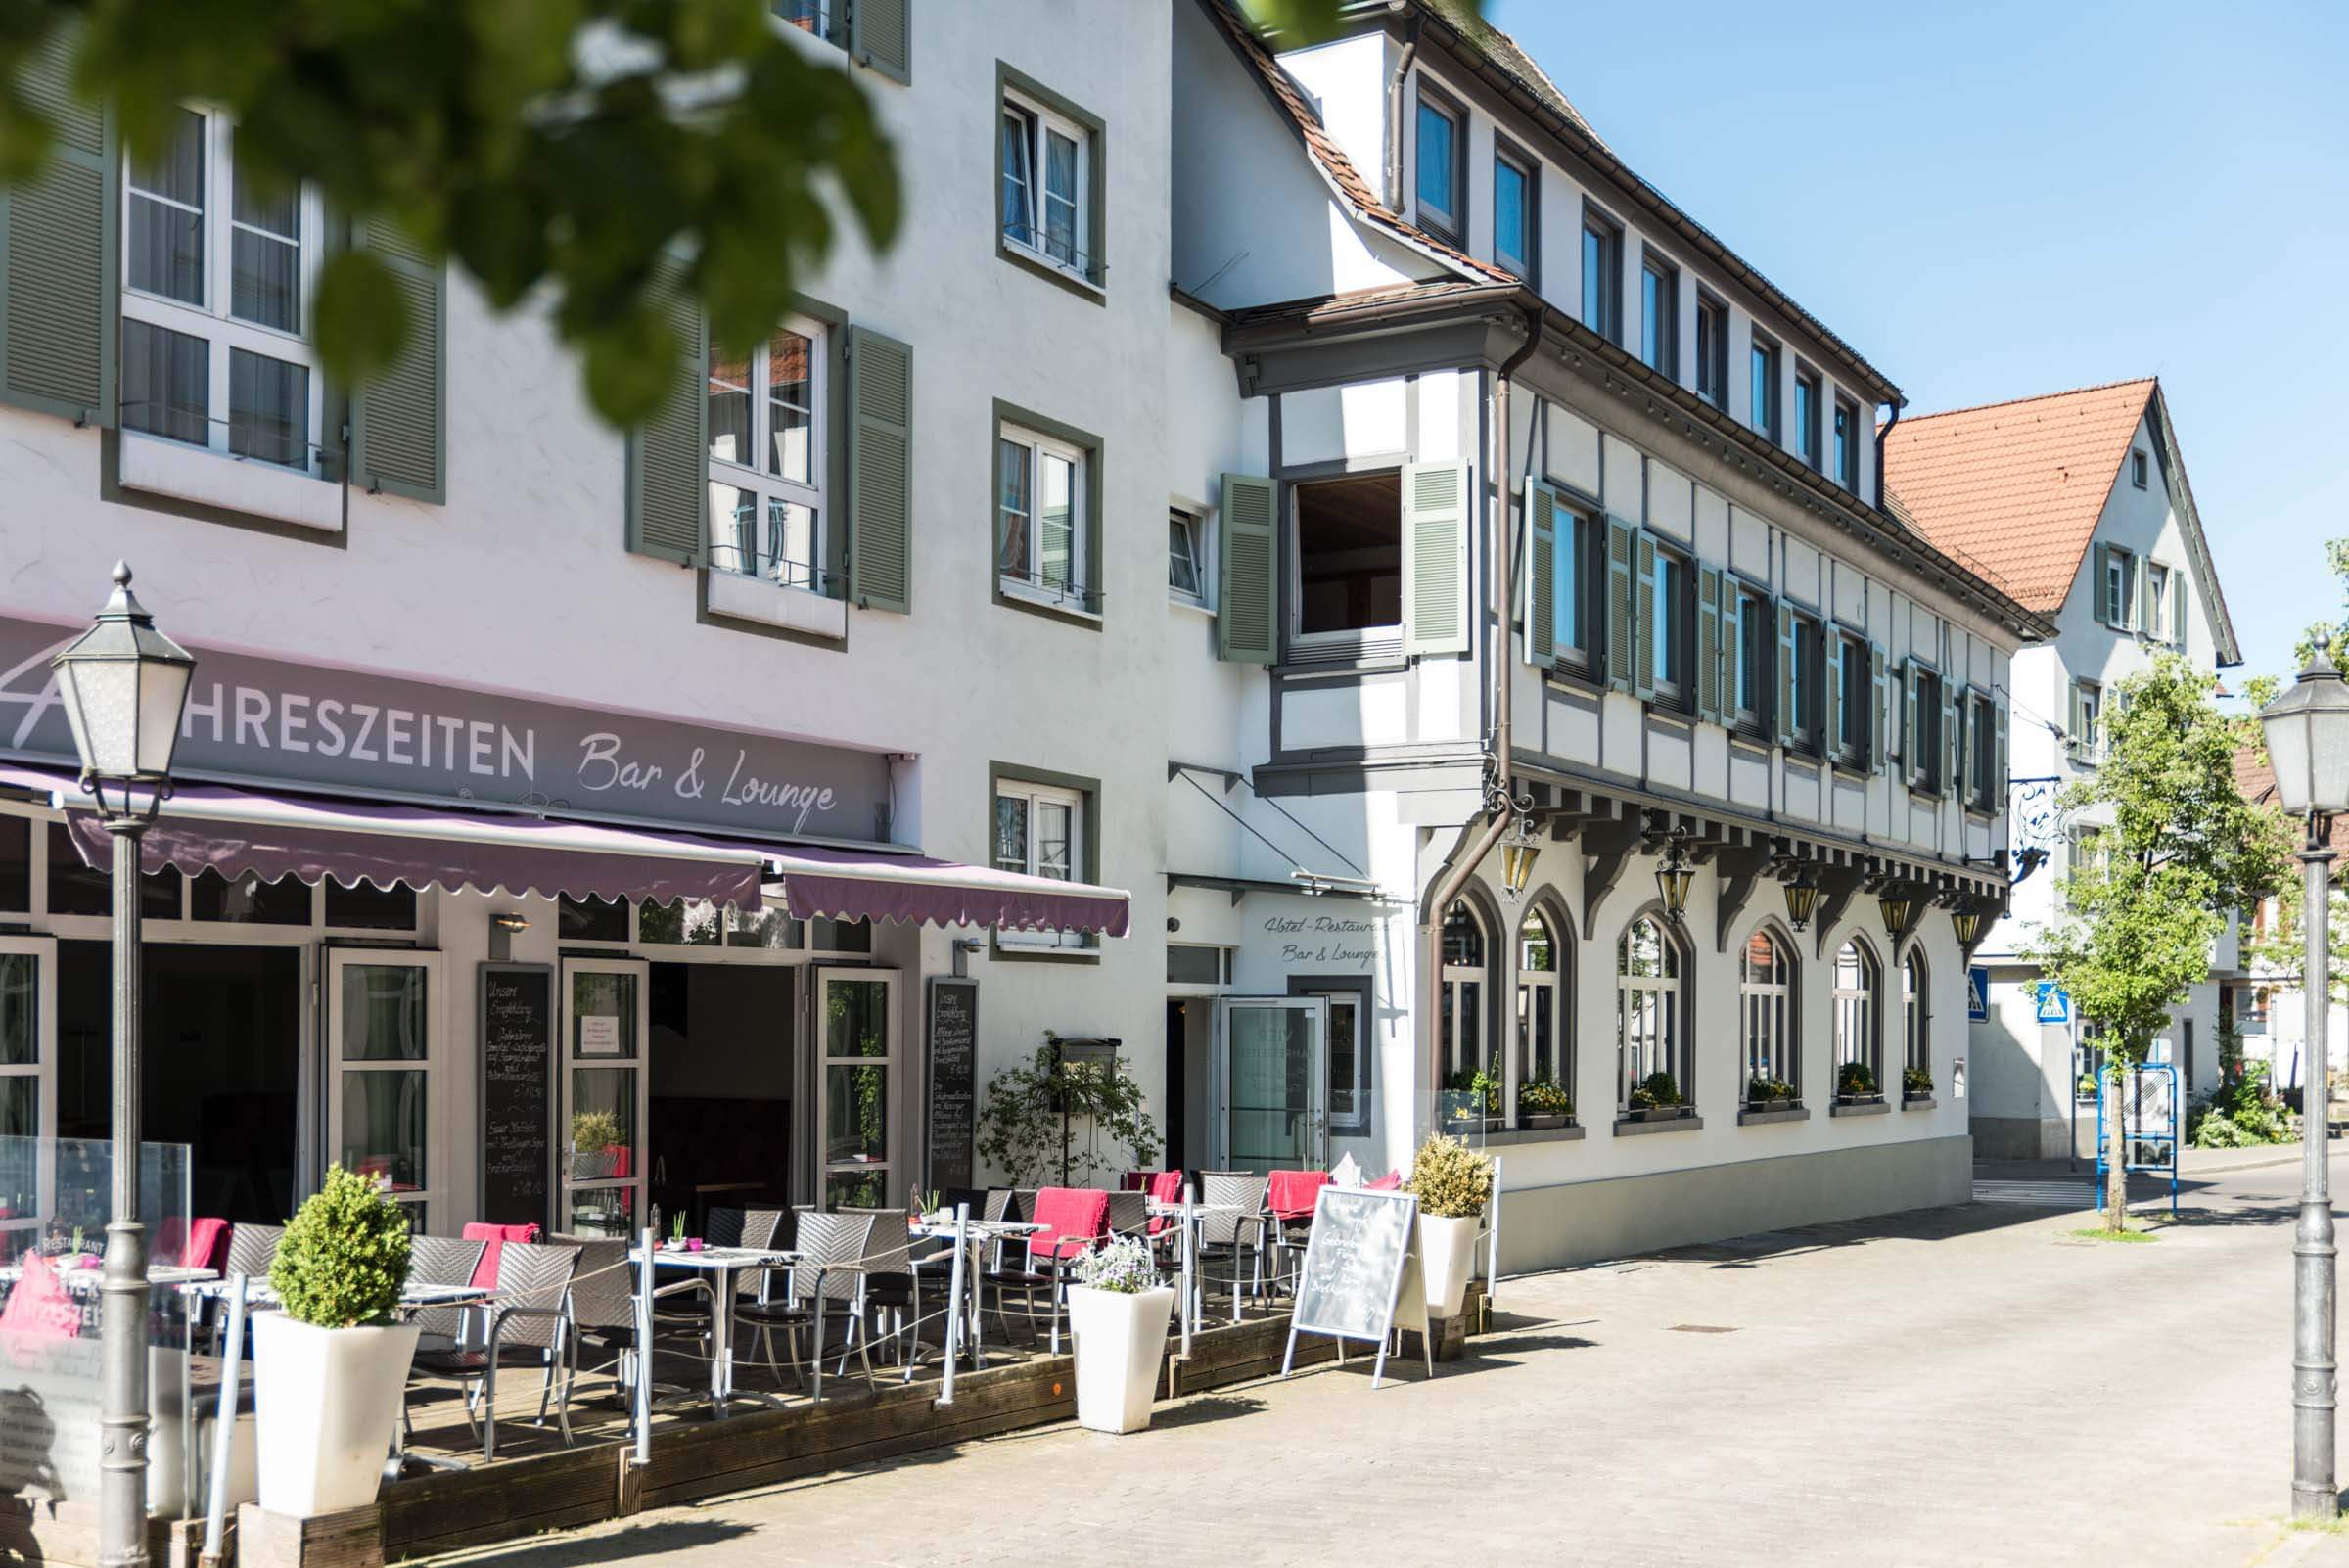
(15, 864)
(1540, 1052)
(20, 1009)
(1856, 1007)
(603, 1123)
(591, 920)
(1460, 1006)
(856, 1027)
(75, 889)
(248, 900)
(368, 908)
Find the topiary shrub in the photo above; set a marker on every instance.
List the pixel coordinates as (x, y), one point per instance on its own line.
(344, 1257)
(1451, 1181)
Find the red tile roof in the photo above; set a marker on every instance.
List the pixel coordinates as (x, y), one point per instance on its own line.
(2257, 780)
(2018, 487)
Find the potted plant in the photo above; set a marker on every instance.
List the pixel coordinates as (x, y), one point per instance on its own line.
(1471, 1100)
(1915, 1083)
(1541, 1103)
(1764, 1092)
(594, 1135)
(1655, 1099)
(1118, 1314)
(328, 1371)
(1855, 1084)
(1453, 1184)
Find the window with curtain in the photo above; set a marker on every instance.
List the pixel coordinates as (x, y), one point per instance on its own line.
(766, 460)
(1046, 169)
(1766, 1010)
(1650, 1023)
(1040, 523)
(1041, 831)
(217, 268)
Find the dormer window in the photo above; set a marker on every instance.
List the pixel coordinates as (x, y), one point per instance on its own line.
(1514, 185)
(1440, 143)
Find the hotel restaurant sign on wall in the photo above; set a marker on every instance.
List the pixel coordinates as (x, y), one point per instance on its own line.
(269, 720)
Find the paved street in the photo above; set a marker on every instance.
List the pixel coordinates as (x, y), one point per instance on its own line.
(1965, 1386)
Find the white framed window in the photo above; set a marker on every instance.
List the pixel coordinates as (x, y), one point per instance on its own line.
(217, 275)
(1545, 1029)
(2087, 720)
(1766, 1010)
(2158, 601)
(767, 443)
(1460, 1033)
(1652, 1028)
(2120, 589)
(1916, 1049)
(1040, 832)
(1857, 984)
(1047, 163)
(1190, 558)
(1039, 518)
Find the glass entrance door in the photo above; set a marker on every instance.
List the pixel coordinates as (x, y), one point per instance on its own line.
(383, 1030)
(1274, 1064)
(856, 1034)
(605, 1021)
(27, 1088)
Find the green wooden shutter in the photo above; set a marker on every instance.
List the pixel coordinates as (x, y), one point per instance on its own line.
(1952, 726)
(881, 36)
(1908, 700)
(2074, 718)
(1248, 557)
(2179, 586)
(399, 421)
(2139, 610)
(1623, 606)
(1732, 648)
(1541, 582)
(669, 458)
(1830, 708)
(1644, 594)
(2098, 564)
(1998, 770)
(1786, 715)
(1879, 752)
(1435, 558)
(1708, 643)
(880, 509)
(58, 264)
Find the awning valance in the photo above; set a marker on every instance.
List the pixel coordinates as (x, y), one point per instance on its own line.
(237, 832)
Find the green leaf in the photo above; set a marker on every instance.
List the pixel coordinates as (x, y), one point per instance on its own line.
(362, 323)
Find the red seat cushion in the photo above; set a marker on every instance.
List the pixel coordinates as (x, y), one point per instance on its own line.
(1073, 1218)
(1292, 1194)
(484, 1272)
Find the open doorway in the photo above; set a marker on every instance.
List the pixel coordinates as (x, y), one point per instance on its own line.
(719, 1123)
(1177, 1049)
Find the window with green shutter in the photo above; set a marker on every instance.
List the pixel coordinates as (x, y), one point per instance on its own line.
(58, 282)
(1248, 539)
(1624, 605)
(399, 421)
(669, 457)
(1435, 558)
(1540, 599)
(880, 471)
(881, 36)
(1709, 641)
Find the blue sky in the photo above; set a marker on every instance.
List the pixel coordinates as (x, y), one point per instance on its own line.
(1995, 200)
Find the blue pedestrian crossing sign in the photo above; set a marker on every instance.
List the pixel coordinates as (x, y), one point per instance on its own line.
(2055, 1003)
(1977, 996)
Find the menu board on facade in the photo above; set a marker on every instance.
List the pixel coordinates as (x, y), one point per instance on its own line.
(518, 1059)
(952, 1036)
(1360, 1279)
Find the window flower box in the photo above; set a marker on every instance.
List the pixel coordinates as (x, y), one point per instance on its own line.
(1542, 1123)
(1858, 1099)
(1775, 1104)
(1657, 1113)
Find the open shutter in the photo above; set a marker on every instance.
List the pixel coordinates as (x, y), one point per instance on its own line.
(2074, 718)
(1786, 718)
(1830, 708)
(1540, 597)
(399, 421)
(1708, 644)
(2100, 566)
(2140, 608)
(1248, 553)
(1879, 752)
(1998, 766)
(880, 402)
(1906, 679)
(669, 457)
(1732, 649)
(58, 264)
(1435, 558)
(881, 36)
(1952, 726)
(1623, 606)
(1643, 595)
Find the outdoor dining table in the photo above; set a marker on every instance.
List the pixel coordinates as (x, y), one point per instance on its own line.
(725, 1263)
(1187, 1214)
(965, 1286)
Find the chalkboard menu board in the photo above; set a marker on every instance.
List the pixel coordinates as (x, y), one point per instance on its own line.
(952, 1036)
(1359, 1280)
(518, 1088)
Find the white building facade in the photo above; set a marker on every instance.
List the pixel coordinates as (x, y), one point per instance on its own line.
(2080, 501)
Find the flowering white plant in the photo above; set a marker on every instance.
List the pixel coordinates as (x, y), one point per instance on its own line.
(1121, 1265)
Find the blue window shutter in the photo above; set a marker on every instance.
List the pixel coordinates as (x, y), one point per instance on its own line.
(59, 265)
(1623, 606)
(1248, 536)
(879, 501)
(1435, 558)
(1541, 608)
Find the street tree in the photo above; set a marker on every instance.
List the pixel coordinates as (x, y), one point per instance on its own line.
(597, 159)
(2177, 849)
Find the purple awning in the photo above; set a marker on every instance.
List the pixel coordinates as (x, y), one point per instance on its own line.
(211, 827)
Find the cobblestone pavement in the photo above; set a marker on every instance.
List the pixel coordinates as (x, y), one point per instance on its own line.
(1958, 1386)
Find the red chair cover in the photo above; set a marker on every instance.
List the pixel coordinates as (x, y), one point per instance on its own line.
(1392, 1182)
(208, 1244)
(40, 1307)
(1292, 1194)
(1073, 1217)
(484, 1272)
(1165, 1187)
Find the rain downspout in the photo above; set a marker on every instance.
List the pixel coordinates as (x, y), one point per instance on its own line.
(1470, 852)
(1881, 435)
(1402, 72)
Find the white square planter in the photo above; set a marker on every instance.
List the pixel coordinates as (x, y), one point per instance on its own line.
(328, 1402)
(1120, 1341)
(1447, 1259)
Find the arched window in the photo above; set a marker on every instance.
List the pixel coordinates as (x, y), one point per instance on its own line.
(1858, 984)
(1461, 997)
(1653, 1030)
(1765, 1012)
(1541, 1026)
(1913, 1045)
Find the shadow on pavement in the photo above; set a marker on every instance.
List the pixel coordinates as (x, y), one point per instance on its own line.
(1201, 1408)
(651, 1540)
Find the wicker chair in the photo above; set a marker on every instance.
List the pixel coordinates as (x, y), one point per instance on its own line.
(831, 1249)
(891, 1283)
(443, 1260)
(1231, 1239)
(530, 1324)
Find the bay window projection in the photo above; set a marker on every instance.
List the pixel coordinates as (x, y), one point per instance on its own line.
(1041, 523)
(217, 273)
(1350, 555)
(1766, 1010)
(766, 462)
(1651, 1027)
(1857, 984)
(1047, 180)
(1541, 1043)
(1463, 1050)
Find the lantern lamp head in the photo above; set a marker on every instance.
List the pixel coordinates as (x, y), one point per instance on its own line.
(1899, 909)
(1518, 852)
(124, 686)
(1672, 878)
(2308, 741)
(1802, 897)
(1966, 920)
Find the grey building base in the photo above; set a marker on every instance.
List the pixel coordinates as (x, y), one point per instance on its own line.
(1583, 1221)
(2029, 1138)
